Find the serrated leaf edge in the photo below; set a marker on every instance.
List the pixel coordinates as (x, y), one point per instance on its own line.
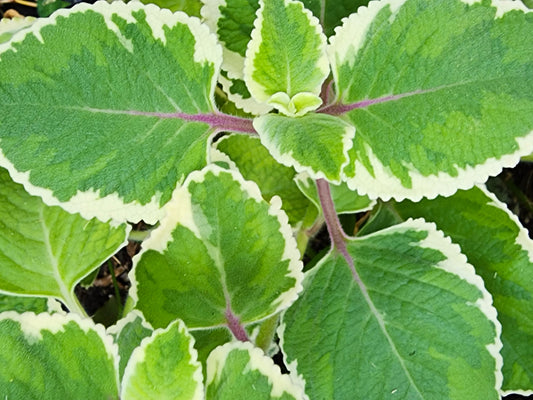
(89, 203)
(179, 211)
(385, 185)
(138, 356)
(259, 362)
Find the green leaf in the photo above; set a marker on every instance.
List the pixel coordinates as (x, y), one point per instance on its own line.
(164, 367)
(219, 246)
(401, 315)
(45, 251)
(45, 8)
(50, 357)
(190, 7)
(128, 333)
(131, 79)
(440, 93)
(346, 201)
(498, 246)
(256, 164)
(286, 74)
(239, 370)
(21, 303)
(317, 144)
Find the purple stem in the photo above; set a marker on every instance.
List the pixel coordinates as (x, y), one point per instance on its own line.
(337, 109)
(219, 121)
(235, 326)
(336, 233)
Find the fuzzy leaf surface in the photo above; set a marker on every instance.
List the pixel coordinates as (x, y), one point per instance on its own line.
(240, 370)
(127, 95)
(219, 246)
(317, 144)
(401, 314)
(164, 366)
(440, 93)
(45, 251)
(50, 357)
(499, 248)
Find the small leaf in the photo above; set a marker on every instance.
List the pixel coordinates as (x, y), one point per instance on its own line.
(400, 315)
(346, 201)
(440, 93)
(498, 246)
(164, 366)
(219, 246)
(130, 79)
(128, 334)
(45, 251)
(239, 370)
(50, 357)
(315, 143)
(256, 164)
(286, 74)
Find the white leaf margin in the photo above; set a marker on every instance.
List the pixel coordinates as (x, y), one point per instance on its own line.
(304, 183)
(350, 36)
(348, 39)
(139, 354)
(116, 329)
(457, 264)
(288, 159)
(279, 382)
(526, 244)
(89, 203)
(256, 89)
(179, 211)
(32, 325)
(250, 105)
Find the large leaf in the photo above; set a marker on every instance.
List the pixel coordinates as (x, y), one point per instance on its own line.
(107, 122)
(502, 253)
(399, 315)
(239, 370)
(440, 93)
(286, 74)
(220, 246)
(50, 357)
(128, 334)
(45, 251)
(164, 366)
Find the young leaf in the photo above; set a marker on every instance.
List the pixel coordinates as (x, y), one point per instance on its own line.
(400, 314)
(346, 200)
(219, 246)
(239, 370)
(286, 74)
(129, 94)
(317, 144)
(164, 366)
(45, 251)
(502, 253)
(256, 164)
(440, 93)
(128, 334)
(50, 357)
